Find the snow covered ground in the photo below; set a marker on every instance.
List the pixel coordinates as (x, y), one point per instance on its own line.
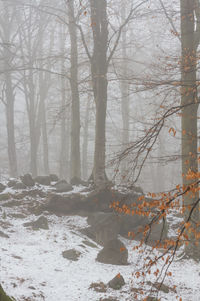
(32, 267)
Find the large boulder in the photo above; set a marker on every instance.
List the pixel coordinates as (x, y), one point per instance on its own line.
(131, 223)
(43, 180)
(54, 178)
(63, 186)
(117, 282)
(114, 252)
(62, 205)
(27, 180)
(155, 234)
(40, 223)
(77, 181)
(71, 254)
(12, 182)
(19, 185)
(2, 187)
(2, 234)
(104, 226)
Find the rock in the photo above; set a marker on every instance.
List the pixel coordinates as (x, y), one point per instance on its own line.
(155, 233)
(108, 299)
(40, 223)
(63, 186)
(150, 298)
(54, 178)
(114, 252)
(4, 196)
(27, 180)
(162, 287)
(129, 223)
(12, 203)
(61, 205)
(2, 234)
(18, 215)
(71, 254)
(89, 244)
(19, 186)
(98, 287)
(78, 181)
(12, 182)
(117, 282)
(105, 226)
(2, 187)
(43, 180)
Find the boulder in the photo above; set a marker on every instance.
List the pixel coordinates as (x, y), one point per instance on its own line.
(62, 186)
(5, 196)
(108, 299)
(2, 187)
(62, 205)
(19, 185)
(71, 254)
(12, 182)
(2, 234)
(98, 287)
(104, 226)
(117, 282)
(131, 223)
(43, 180)
(114, 252)
(27, 180)
(155, 233)
(54, 178)
(40, 223)
(77, 181)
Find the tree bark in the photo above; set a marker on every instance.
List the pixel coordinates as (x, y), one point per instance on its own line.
(75, 118)
(99, 66)
(124, 94)
(189, 116)
(6, 27)
(85, 142)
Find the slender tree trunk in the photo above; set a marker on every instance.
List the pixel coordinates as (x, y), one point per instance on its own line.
(45, 141)
(63, 168)
(189, 115)
(6, 37)
(11, 127)
(75, 119)
(85, 142)
(124, 93)
(32, 127)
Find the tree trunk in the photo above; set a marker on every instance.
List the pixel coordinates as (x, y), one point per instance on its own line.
(45, 141)
(99, 67)
(124, 94)
(64, 145)
(32, 127)
(85, 142)
(189, 116)
(6, 37)
(10, 127)
(75, 119)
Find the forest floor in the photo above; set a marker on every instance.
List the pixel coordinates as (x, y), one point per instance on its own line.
(32, 267)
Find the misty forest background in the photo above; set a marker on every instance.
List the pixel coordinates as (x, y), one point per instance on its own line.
(49, 103)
